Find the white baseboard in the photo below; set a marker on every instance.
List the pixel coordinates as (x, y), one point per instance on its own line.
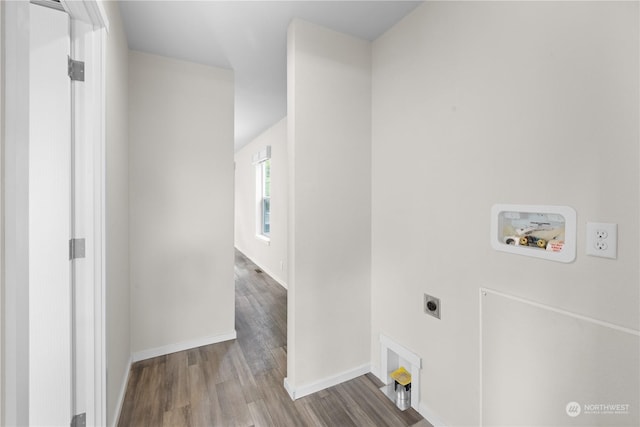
(375, 370)
(307, 389)
(274, 277)
(270, 273)
(123, 390)
(266, 270)
(181, 346)
(431, 416)
(289, 389)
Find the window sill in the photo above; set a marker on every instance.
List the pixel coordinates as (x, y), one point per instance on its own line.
(264, 239)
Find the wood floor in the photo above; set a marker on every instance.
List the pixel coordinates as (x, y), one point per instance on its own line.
(240, 382)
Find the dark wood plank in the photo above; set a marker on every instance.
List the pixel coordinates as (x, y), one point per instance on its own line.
(260, 414)
(331, 412)
(177, 417)
(235, 411)
(177, 381)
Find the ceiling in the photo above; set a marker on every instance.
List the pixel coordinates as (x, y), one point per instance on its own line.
(249, 37)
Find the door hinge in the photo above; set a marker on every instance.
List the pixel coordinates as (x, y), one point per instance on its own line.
(79, 420)
(76, 248)
(75, 70)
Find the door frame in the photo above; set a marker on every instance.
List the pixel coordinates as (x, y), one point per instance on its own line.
(90, 21)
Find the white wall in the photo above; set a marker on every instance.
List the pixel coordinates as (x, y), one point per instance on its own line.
(181, 204)
(478, 103)
(50, 296)
(15, 195)
(329, 120)
(271, 256)
(117, 290)
(1, 214)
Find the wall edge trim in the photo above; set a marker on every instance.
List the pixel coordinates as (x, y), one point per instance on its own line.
(316, 386)
(564, 312)
(289, 389)
(123, 391)
(181, 346)
(431, 416)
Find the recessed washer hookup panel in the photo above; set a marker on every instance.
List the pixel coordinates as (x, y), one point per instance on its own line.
(539, 231)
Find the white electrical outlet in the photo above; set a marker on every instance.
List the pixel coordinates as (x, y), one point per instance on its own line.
(602, 239)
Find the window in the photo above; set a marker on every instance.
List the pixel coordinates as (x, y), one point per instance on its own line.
(262, 162)
(265, 197)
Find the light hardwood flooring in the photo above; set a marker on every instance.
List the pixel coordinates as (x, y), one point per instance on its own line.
(240, 382)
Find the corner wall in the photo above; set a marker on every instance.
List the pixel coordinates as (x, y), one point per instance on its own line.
(15, 214)
(181, 204)
(329, 147)
(117, 290)
(1, 213)
(476, 103)
(270, 256)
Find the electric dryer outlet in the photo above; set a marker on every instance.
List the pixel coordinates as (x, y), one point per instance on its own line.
(432, 306)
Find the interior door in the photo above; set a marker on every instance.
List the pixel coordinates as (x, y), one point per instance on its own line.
(50, 294)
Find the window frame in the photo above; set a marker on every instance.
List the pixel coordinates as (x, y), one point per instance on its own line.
(264, 199)
(262, 163)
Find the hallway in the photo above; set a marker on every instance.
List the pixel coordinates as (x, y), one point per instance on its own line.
(240, 382)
